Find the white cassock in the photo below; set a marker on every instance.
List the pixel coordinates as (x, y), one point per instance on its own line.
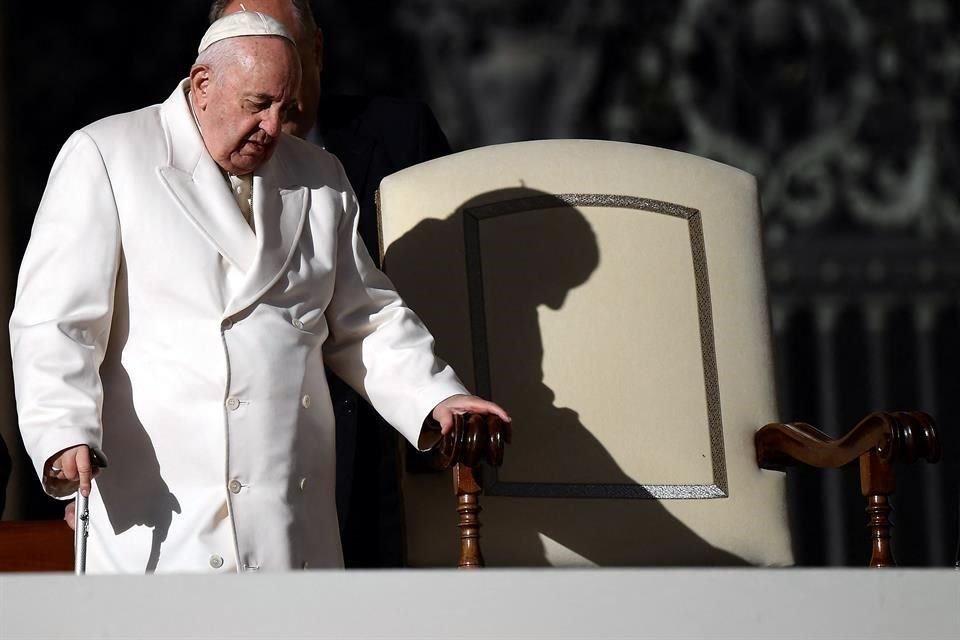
(152, 324)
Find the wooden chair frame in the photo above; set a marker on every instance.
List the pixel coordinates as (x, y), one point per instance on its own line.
(879, 441)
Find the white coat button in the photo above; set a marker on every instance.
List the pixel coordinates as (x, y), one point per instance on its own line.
(235, 486)
(216, 561)
(227, 324)
(233, 403)
(305, 401)
(303, 484)
(296, 323)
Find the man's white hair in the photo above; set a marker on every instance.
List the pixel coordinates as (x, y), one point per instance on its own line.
(220, 55)
(223, 54)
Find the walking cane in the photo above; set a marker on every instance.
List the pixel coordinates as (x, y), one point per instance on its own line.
(82, 523)
(80, 532)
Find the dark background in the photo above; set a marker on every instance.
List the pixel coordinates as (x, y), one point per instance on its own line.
(846, 111)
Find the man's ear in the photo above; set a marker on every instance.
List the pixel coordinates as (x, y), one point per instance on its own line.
(200, 84)
(318, 50)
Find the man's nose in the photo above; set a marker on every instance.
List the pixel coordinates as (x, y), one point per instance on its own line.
(271, 123)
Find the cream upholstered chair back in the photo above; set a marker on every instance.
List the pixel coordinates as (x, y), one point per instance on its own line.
(611, 296)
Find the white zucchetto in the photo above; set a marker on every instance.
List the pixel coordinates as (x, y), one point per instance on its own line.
(243, 23)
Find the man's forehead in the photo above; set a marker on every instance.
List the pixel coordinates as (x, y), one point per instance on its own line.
(243, 23)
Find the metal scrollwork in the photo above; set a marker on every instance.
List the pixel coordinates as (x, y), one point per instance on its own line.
(843, 109)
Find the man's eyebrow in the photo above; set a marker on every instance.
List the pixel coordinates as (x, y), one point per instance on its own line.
(268, 98)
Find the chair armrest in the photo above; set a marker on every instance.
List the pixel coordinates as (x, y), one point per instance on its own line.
(473, 440)
(900, 436)
(879, 441)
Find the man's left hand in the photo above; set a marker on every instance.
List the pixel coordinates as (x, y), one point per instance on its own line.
(70, 514)
(458, 404)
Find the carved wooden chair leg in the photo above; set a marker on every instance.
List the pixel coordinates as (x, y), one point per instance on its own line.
(880, 440)
(474, 439)
(906, 437)
(877, 485)
(468, 491)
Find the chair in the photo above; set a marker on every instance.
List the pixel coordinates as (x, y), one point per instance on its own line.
(611, 296)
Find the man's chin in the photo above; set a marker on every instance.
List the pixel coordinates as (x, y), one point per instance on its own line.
(248, 162)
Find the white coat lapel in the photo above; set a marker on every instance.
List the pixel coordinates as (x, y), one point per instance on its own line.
(279, 213)
(195, 182)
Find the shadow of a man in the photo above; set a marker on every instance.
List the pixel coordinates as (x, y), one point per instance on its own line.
(479, 279)
(133, 490)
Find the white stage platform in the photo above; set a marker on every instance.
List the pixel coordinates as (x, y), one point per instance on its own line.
(607, 603)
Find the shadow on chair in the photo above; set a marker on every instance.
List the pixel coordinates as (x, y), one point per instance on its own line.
(614, 303)
(533, 261)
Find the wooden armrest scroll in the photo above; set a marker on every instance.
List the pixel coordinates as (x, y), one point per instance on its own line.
(474, 439)
(879, 441)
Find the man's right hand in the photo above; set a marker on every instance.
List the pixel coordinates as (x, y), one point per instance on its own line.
(70, 469)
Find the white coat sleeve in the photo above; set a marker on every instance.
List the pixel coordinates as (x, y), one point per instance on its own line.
(377, 344)
(64, 303)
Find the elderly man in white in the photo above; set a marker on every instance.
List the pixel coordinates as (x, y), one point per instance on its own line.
(190, 271)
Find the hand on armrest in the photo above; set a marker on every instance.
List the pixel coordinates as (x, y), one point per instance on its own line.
(443, 413)
(465, 429)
